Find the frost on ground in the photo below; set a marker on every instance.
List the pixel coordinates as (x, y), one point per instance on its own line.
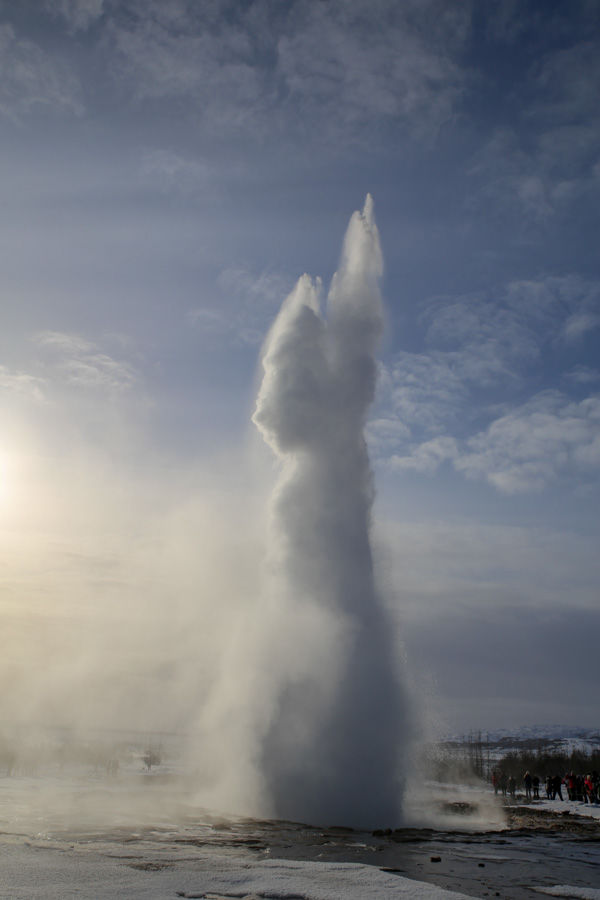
(565, 890)
(33, 872)
(137, 835)
(573, 807)
(316, 881)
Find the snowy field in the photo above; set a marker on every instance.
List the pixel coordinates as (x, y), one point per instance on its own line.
(567, 807)
(136, 837)
(139, 835)
(33, 871)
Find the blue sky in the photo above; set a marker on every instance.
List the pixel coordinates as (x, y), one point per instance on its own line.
(171, 169)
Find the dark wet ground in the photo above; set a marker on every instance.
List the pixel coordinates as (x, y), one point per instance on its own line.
(501, 864)
(537, 850)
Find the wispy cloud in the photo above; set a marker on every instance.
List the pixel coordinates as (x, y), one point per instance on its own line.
(493, 340)
(342, 67)
(509, 176)
(304, 71)
(580, 323)
(351, 64)
(542, 154)
(82, 364)
(582, 375)
(187, 53)
(266, 288)
(247, 303)
(21, 384)
(79, 15)
(569, 79)
(32, 80)
(170, 171)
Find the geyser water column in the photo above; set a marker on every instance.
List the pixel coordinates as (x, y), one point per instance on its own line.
(333, 746)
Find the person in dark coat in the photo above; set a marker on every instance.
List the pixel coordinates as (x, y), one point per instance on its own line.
(556, 787)
(503, 783)
(495, 781)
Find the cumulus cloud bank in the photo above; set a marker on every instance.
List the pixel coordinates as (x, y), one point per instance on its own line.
(431, 404)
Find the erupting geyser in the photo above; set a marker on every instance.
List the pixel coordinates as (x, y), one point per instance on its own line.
(332, 747)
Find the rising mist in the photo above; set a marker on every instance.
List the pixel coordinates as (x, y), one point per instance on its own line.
(228, 609)
(333, 748)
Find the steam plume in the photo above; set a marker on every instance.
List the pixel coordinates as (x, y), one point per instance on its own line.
(332, 748)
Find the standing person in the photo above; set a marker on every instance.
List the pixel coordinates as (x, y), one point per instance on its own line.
(512, 786)
(556, 787)
(527, 783)
(596, 783)
(503, 783)
(571, 785)
(549, 787)
(536, 787)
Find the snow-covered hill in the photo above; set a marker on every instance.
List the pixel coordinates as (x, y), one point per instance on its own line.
(529, 734)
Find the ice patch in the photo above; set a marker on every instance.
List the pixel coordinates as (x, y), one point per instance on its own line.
(565, 890)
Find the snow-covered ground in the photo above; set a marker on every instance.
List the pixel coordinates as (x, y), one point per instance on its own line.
(35, 872)
(562, 807)
(565, 890)
(139, 836)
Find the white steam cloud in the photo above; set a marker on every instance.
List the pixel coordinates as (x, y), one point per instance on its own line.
(332, 748)
(141, 607)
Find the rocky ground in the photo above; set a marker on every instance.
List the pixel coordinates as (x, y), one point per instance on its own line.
(530, 818)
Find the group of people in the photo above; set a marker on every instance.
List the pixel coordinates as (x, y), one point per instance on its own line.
(584, 788)
(506, 784)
